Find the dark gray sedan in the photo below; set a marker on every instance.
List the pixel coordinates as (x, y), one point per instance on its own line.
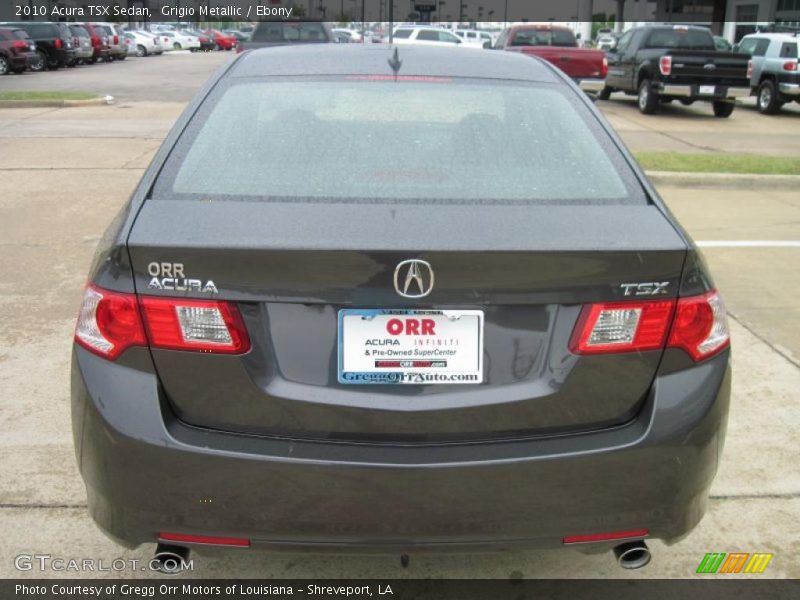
(397, 301)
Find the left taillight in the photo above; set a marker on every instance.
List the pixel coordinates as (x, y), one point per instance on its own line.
(604, 69)
(665, 65)
(111, 322)
(195, 325)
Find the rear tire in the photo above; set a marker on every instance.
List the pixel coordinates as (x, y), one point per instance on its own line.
(39, 63)
(723, 109)
(604, 94)
(686, 101)
(122, 57)
(647, 99)
(141, 51)
(768, 101)
(176, 46)
(4, 66)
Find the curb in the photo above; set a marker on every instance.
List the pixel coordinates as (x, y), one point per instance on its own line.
(746, 181)
(99, 101)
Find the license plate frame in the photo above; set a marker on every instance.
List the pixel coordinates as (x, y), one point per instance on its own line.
(707, 90)
(450, 352)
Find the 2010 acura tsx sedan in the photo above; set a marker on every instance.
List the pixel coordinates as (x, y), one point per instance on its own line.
(395, 301)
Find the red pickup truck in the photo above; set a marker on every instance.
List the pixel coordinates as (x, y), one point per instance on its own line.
(558, 45)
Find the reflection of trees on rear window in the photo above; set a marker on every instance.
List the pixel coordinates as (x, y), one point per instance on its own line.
(450, 142)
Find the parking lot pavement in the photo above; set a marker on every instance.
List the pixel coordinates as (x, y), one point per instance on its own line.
(171, 77)
(53, 209)
(695, 129)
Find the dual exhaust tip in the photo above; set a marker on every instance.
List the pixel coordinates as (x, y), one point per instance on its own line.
(632, 555)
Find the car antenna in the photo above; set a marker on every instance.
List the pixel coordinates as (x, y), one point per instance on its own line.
(395, 62)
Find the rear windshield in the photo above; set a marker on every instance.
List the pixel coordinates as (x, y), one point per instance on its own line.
(543, 37)
(681, 38)
(79, 31)
(402, 33)
(289, 32)
(352, 139)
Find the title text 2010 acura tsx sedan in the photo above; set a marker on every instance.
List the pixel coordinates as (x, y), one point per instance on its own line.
(365, 300)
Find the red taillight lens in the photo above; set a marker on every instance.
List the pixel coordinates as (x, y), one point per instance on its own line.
(665, 65)
(604, 70)
(749, 69)
(622, 327)
(20, 45)
(116, 40)
(790, 65)
(95, 41)
(109, 322)
(58, 43)
(701, 326)
(203, 539)
(195, 325)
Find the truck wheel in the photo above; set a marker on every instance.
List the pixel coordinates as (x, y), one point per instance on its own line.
(604, 94)
(648, 98)
(39, 63)
(723, 109)
(768, 101)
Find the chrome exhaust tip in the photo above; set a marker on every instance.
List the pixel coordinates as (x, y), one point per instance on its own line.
(169, 559)
(632, 555)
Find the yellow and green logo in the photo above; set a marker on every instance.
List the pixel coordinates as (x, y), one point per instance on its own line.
(734, 562)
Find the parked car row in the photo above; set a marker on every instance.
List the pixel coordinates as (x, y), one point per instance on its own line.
(41, 46)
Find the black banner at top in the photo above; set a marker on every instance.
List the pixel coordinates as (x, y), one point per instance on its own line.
(450, 11)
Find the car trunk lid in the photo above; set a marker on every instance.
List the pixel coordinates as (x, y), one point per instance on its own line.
(292, 266)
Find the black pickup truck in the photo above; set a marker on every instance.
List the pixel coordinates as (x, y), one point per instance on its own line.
(664, 63)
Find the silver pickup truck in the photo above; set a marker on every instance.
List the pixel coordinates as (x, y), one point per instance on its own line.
(775, 71)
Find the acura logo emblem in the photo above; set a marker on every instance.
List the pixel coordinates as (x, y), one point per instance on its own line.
(413, 278)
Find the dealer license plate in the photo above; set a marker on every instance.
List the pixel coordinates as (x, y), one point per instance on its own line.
(410, 346)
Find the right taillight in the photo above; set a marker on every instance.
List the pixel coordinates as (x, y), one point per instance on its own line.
(696, 324)
(111, 322)
(700, 326)
(790, 65)
(665, 65)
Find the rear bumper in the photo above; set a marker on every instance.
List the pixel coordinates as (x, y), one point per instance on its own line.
(789, 89)
(693, 91)
(146, 472)
(591, 85)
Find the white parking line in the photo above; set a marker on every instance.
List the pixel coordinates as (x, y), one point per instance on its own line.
(749, 243)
